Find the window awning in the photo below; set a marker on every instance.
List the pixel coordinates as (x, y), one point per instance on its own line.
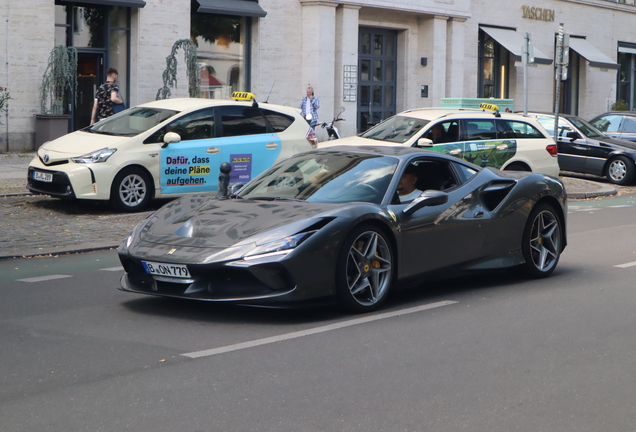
(591, 54)
(248, 8)
(122, 3)
(513, 42)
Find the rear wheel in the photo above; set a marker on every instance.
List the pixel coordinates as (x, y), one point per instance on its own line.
(365, 269)
(621, 170)
(131, 190)
(542, 242)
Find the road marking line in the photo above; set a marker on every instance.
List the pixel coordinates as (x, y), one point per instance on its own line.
(316, 330)
(621, 206)
(44, 278)
(588, 209)
(629, 264)
(113, 268)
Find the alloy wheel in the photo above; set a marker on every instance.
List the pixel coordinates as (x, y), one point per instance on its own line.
(545, 241)
(132, 190)
(369, 268)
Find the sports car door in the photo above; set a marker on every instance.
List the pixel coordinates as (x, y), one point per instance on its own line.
(444, 235)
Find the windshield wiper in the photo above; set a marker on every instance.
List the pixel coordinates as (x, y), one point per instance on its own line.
(273, 199)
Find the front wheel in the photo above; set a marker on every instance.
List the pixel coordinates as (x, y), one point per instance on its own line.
(621, 170)
(365, 270)
(542, 242)
(131, 190)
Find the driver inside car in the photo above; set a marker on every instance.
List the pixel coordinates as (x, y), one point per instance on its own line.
(406, 187)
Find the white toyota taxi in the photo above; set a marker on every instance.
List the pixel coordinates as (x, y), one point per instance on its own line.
(168, 148)
(484, 137)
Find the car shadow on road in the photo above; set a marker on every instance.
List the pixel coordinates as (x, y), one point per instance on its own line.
(85, 207)
(323, 312)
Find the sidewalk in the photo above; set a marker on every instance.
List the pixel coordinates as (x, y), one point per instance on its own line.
(34, 225)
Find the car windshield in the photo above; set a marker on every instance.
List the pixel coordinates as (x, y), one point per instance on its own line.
(565, 126)
(325, 177)
(586, 128)
(131, 122)
(398, 129)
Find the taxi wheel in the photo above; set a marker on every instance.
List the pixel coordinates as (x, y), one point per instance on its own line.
(365, 269)
(131, 190)
(621, 170)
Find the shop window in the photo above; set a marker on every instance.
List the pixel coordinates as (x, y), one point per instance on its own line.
(222, 49)
(494, 67)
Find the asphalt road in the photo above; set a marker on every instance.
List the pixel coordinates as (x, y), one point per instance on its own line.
(483, 353)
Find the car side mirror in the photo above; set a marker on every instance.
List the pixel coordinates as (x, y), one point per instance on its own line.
(424, 142)
(235, 187)
(573, 135)
(429, 198)
(170, 138)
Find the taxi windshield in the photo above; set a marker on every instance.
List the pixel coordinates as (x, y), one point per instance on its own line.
(131, 122)
(397, 129)
(325, 177)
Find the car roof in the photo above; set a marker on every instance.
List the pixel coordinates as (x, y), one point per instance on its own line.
(549, 114)
(384, 150)
(438, 113)
(189, 104)
(619, 113)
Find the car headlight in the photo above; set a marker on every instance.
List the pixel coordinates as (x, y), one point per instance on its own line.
(97, 156)
(278, 247)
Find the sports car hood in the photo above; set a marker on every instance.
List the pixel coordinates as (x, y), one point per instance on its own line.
(203, 221)
(79, 143)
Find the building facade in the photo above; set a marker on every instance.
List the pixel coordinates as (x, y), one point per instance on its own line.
(372, 57)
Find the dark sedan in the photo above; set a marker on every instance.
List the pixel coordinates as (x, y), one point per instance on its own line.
(617, 124)
(585, 149)
(336, 223)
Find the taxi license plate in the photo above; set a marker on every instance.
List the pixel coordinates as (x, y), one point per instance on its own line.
(45, 177)
(169, 270)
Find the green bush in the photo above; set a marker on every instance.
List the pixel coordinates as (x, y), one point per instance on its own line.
(620, 105)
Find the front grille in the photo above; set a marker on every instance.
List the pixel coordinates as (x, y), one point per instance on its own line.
(217, 284)
(59, 162)
(60, 186)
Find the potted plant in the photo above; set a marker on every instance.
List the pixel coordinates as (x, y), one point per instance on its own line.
(59, 80)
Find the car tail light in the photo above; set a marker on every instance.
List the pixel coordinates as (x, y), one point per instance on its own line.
(311, 137)
(552, 149)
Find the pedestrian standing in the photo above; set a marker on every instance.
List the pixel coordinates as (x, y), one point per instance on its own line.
(107, 94)
(309, 107)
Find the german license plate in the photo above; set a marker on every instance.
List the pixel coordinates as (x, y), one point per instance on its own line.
(41, 176)
(169, 270)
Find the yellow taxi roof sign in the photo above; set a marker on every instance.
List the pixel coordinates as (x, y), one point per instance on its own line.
(488, 106)
(246, 96)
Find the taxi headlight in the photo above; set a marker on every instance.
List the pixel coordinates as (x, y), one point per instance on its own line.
(278, 247)
(97, 156)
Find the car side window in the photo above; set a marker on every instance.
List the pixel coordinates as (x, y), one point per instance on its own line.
(548, 125)
(427, 174)
(478, 130)
(465, 172)
(242, 120)
(444, 132)
(629, 125)
(609, 123)
(516, 129)
(278, 121)
(194, 126)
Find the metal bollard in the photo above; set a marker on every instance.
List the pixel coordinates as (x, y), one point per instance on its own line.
(224, 180)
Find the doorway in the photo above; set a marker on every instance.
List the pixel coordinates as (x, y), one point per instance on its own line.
(377, 60)
(89, 77)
